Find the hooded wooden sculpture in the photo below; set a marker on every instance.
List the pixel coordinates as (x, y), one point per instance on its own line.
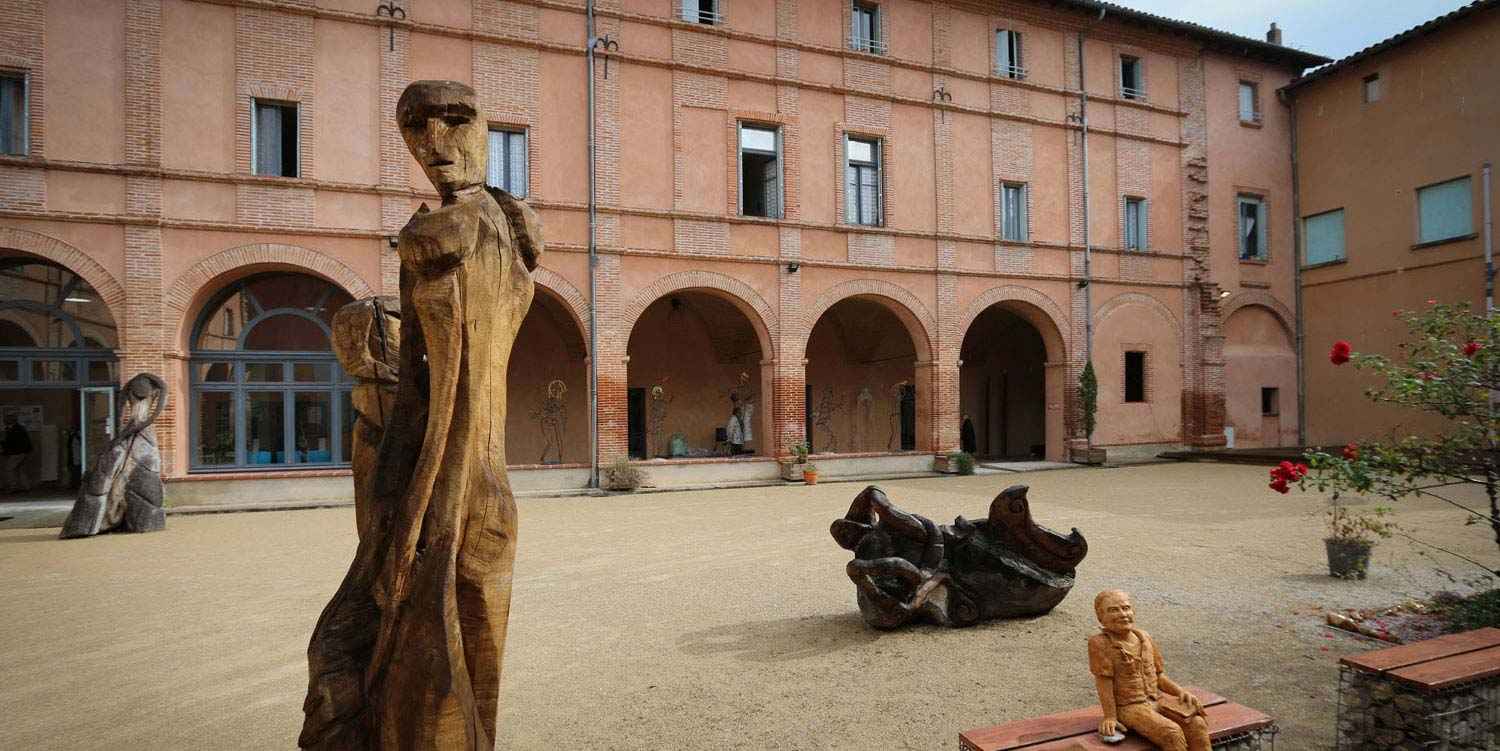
(123, 490)
(407, 655)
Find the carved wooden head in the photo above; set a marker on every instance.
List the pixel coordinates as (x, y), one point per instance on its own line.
(442, 127)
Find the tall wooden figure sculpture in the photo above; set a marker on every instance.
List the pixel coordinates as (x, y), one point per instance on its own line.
(407, 655)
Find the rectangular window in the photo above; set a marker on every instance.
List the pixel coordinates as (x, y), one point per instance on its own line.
(1013, 219)
(1372, 88)
(265, 437)
(312, 423)
(13, 114)
(1008, 54)
(1323, 236)
(862, 181)
(273, 138)
(1249, 103)
(216, 428)
(1252, 228)
(1269, 398)
(701, 11)
(864, 28)
(1135, 376)
(507, 161)
(1135, 223)
(760, 171)
(1132, 83)
(1445, 210)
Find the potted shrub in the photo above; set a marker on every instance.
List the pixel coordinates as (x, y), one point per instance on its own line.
(622, 476)
(1351, 531)
(791, 465)
(961, 462)
(1088, 398)
(810, 473)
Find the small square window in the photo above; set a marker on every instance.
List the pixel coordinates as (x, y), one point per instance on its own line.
(760, 171)
(1323, 237)
(1372, 88)
(1135, 376)
(1014, 221)
(1445, 210)
(1135, 223)
(1252, 228)
(273, 138)
(862, 181)
(13, 113)
(864, 28)
(507, 167)
(1249, 103)
(701, 11)
(1008, 54)
(1132, 83)
(1270, 398)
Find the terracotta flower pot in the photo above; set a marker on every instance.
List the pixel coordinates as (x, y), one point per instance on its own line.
(1348, 559)
(810, 476)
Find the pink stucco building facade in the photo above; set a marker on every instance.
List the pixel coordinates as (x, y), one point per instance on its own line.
(873, 240)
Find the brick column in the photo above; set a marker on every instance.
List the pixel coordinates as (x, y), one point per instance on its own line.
(395, 163)
(1203, 342)
(789, 387)
(613, 341)
(1078, 302)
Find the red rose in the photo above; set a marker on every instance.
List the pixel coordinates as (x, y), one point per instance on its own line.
(1279, 485)
(1351, 452)
(1299, 471)
(1471, 348)
(1340, 352)
(1432, 302)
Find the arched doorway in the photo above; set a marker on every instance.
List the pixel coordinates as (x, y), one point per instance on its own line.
(547, 416)
(695, 362)
(1260, 379)
(266, 389)
(1002, 387)
(58, 370)
(861, 385)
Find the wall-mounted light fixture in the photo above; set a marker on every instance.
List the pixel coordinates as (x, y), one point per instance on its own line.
(1083, 283)
(608, 45)
(792, 266)
(1224, 294)
(391, 240)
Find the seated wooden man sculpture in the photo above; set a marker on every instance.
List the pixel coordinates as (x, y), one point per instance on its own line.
(1134, 689)
(407, 654)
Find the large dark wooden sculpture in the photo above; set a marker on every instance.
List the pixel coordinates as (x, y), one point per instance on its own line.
(123, 490)
(407, 655)
(908, 568)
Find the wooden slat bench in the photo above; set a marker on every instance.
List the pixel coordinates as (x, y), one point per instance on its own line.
(1229, 724)
(1440, 691)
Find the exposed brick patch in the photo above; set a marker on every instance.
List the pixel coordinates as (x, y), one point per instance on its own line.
(274, 205)
(1202, 341)
(788, 63)
(607, 103)
(142, 334)
(919, 321)
(273, 59)
(1011, 158)
(697, 48)
(505, 18)
(861, 113)
(871, 249)
(143, 195)
(198, 282)
(943, 159)
(1010, 100)
(1015, 259)
(613, 338)
(786, 22)
(1135, 267)
(694, 236)
(23, 188)
(143, 83)
(394, 166)
(861, 74)
(947, 255)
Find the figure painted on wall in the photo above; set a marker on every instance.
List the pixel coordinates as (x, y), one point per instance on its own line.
(863, 409)
(894, 441)
(123, 489)
(407, 654)
(656, 419)
(734, 432)
(367, 341)
(551, 416)
(828, 406)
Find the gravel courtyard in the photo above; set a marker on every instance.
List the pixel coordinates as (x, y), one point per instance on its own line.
(704, 620)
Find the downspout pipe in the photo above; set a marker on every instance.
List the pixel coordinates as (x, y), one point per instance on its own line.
(1489, 245)
(1088, 250)
(593, 269)
(1298, 253)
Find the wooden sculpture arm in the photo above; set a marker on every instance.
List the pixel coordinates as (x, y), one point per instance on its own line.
(1110, 725)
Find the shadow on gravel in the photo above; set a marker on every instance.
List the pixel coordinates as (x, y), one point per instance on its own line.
(780, 640)
(35, 537)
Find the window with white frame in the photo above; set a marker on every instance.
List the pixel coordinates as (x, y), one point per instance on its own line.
(701, 11)
(1251, 211)
(862, 181)
(1445, 210)
(507, 169)
(1323, 237)
(273, 138)
(1013, 219)
(1135, 223)
(1008, 54)
(864, 28)
(1132, 80)
(760, 171)
(1371, 88)
(1249, 103)
(13, 113)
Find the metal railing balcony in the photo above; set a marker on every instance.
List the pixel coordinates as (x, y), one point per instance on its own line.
(873, 46)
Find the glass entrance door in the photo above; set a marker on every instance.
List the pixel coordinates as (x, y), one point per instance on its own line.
(96, 418)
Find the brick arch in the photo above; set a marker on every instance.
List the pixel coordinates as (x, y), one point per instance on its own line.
(52, 249)
(1037, 309)
(554, 285)
(919, 322)
(744, 297)
(1136, 298)
(1261, 298)
(200, 281)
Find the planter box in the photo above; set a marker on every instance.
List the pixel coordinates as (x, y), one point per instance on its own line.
(944, 464)
(1094, 456)
(791, 470)
(1442, 693)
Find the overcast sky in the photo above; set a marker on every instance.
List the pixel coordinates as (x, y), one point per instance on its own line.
(1332, 28)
